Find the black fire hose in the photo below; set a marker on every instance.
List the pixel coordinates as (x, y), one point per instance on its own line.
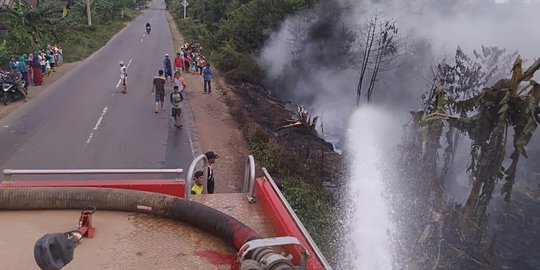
(227, 228)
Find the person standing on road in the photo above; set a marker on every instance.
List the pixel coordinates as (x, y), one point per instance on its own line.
(123, 77)
(201, 65)
(176, 98)
(211, 156)
(42, 62)
(11, 64)
(207, 76)
(38, 75)
(159, 88)
(167, 66)
(24, 70)
(180, 82)
(50, 58)
(187, 60)
(60, 56)
(178, 63)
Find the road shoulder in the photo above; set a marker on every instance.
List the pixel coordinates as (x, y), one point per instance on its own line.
(215, 129)
(33, 90)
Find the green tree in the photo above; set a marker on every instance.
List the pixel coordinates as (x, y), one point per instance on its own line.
(232, 31)
(31, 25)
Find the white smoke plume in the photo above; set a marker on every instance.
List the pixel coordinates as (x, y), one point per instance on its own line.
(310, 74)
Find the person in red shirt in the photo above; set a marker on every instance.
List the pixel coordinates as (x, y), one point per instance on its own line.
(178, 63)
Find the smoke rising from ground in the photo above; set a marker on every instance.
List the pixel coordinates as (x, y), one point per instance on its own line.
(309, 63)
(307, 56)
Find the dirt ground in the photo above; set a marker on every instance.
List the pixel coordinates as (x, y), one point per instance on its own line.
(214, 126)
(211, 113)
(126, 240)
(308, 148)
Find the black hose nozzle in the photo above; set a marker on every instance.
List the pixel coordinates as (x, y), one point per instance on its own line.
(54, 251)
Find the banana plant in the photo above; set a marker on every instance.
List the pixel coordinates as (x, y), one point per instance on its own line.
(3, 49)
(485, 117)
(38, 20)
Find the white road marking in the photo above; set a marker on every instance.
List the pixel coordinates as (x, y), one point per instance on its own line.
(89, 138)
(6, 126)
(141, 39)
(97, 124)
(191, 145)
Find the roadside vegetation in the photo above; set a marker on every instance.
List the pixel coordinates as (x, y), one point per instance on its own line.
(473, 101)
(231, 33)
(25, 28)
(315, 206)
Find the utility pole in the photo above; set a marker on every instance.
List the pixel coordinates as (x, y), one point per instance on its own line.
(185, 4)
(88, 13)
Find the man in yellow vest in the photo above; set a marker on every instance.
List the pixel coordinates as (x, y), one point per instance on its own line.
(198, 184)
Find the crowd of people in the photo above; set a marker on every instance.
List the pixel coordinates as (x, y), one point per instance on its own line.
(37, 64)
(189, 60)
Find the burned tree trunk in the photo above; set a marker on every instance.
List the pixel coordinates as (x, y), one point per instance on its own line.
(379, 46)
(304, 121)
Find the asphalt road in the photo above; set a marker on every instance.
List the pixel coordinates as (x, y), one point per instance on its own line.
(83, 121)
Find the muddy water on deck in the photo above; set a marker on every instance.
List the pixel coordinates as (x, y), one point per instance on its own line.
(122, 241)
(129, 240)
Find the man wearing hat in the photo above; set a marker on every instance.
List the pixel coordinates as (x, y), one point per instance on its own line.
(123, 76)
(211, 156)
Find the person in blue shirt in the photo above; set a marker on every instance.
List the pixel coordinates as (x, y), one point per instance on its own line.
(24, 70)
(12, 64)
(207, 77)
(167, 66)
(50, 57)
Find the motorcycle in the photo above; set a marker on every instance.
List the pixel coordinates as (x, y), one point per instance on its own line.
(10, 89)
(148, 30)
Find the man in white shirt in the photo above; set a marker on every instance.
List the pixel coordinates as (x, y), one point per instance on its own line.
(123, 76)
(176, 98)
